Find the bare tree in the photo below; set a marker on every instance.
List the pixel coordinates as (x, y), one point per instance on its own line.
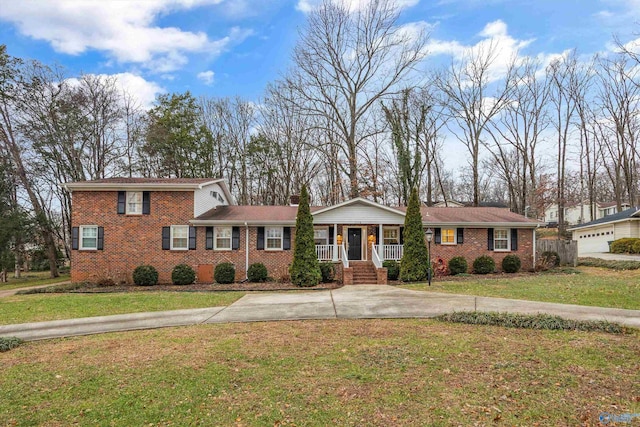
(517, 133)
(618, 97)
(471, 105)
(563, 75)
(348, 59)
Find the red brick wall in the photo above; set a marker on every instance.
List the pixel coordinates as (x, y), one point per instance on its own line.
(133, 240)
(475, 245)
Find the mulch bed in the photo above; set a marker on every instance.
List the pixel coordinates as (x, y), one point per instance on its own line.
(203, 287)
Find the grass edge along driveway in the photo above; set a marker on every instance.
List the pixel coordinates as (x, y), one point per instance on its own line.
(588, 286)
(44, 307)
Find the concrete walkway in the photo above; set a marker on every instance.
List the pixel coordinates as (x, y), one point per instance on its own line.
(348, 302)
(9, 292)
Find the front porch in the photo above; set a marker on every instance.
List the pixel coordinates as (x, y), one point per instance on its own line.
(332, 253)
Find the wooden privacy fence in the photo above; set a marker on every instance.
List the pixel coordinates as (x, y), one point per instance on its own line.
(566, 249)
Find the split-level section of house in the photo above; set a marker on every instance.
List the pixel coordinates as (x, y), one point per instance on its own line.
(121, 223)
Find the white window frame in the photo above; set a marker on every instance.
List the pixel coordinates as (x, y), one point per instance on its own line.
(173, 230)
(396, 239)
(507, 239)
(267, 238)
(81, 245)
(326, 238)
(137, 203)
(216, 236)
(455, 236)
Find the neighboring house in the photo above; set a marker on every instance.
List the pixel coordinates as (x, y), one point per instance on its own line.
(121, 223)
(595, 236)
(580, 213)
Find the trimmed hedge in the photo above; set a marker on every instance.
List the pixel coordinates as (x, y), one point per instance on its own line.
(458, 265)
(484, 265)
(183, 274)
(393, 269)
(627, 245)
(145, 275)
(614, 265)
(257, 272)
(511, 264)
(327, 271)
(538, 321)
(224, 273)
(7, 343)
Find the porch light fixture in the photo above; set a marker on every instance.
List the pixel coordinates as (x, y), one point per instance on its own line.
(429, 234)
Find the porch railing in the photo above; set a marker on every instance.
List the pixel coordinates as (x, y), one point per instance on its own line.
(377, 262)
(393, 252)
(325, 252)
(343, 256)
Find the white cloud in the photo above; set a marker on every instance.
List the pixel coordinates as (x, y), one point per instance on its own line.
(124, 30)
(495, 40)
(143, 90)
(206, 77)
(307, 6)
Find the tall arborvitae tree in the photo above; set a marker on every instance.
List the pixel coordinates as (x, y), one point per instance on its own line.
(305, 270)
(415, 259)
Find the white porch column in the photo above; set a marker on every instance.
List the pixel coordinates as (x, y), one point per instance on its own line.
(381, 243)
(335, 242)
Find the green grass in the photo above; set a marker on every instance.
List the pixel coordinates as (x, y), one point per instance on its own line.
(592, 286)
(41, 307)
(32, 278)
(318, 373)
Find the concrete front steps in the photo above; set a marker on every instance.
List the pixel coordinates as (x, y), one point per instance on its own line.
(364, 273)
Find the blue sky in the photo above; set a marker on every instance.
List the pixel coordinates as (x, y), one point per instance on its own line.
(235, 47)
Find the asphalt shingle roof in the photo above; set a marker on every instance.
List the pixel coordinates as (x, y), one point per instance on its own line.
(629, 213)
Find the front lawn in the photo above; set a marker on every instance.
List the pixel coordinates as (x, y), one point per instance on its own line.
(590, 286)
(41, 307)
(318, 373)
(32, 278)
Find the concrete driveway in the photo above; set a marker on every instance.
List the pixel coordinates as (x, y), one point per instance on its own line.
(348, 302)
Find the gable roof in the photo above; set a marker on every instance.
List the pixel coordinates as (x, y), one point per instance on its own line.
(167, 184)
(359, 200)
(629, 214)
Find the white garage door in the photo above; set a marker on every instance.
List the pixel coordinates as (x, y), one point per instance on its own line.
(594, 240)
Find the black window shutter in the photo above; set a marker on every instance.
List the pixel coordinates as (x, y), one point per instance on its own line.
(402, 235)
(166, 238)
(378, 236)
(514, 239)
(490, 239)
(122, 201)
(192, 237)
(209, 239)
(100, 238)
(460, 236)
(146, 203)
(286, 238)
(235, 238)
(437, 235)
(75, 234)
(260, 242)
(331, 235)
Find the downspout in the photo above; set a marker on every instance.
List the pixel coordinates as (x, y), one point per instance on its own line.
(534, 246)
(246, 262)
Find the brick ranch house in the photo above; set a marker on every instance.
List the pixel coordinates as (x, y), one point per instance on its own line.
(121, 223)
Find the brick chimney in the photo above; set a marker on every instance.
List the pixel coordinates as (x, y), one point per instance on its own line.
(295, 200)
